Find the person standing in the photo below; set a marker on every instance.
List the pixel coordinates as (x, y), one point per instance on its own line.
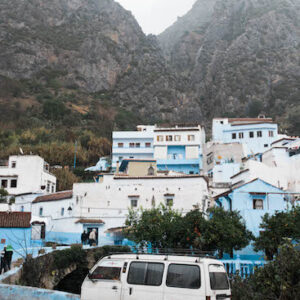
(92, 237)
(9, 255)
(84, 238)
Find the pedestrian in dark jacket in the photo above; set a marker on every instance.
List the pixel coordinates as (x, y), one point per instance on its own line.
(9, 254)
(84, 238)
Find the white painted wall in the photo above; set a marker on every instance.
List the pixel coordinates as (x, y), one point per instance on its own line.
(30, 173)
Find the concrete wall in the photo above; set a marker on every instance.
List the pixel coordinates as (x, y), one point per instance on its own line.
(17, 292)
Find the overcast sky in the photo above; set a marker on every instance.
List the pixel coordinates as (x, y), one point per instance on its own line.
(154, 16)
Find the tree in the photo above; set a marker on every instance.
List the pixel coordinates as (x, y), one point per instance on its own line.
(157, 225)
(65, 179)
(275, 229)
(192, 230)
(3, 195)
(278, 279)
(226, 231)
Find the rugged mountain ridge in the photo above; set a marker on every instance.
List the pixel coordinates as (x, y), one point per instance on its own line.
(243, 60)
(93, 45)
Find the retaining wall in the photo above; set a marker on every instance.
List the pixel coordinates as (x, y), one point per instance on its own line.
(13, 292)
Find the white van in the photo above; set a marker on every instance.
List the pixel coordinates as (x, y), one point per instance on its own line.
(156, 277)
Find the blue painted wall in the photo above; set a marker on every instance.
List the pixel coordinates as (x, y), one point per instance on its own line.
(242, 201)
(9, 292)
(19, 239)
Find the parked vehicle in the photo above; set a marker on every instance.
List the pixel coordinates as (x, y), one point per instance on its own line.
(156, 277)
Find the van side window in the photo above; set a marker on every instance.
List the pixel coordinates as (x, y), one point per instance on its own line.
(106, 273)
(184, 276)
(142, 273)
(218, 278)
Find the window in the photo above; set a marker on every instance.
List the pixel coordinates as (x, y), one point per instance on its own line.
(4, 183)
(160, 138)
(222, 122)
(134, 203)
(251, 134)
(169, 202)
(258, 204)
(169, 138)
(266, 145)
(241, 135)
(131, 145)
(148, 145)
(271, 133)
(120, 158)
(259, 133)
(183, 276)
(120, 145)
(13, 183)
(137, 145)
(106, 273)
(13, 164)
(218, 278)
(41, 211)
(52, 188)
(142, 273)
(191, 138)
(48, 187)
(62, 211)
(177, 138)
(234, 136)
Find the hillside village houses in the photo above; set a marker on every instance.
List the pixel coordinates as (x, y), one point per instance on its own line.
(169, 165)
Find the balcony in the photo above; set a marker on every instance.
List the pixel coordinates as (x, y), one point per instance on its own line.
(178, 161)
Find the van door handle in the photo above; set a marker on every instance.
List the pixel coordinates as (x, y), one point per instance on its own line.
(114, 287)
(130, 290)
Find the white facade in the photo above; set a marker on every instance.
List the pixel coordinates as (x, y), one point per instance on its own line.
(132, 144)
(110, 199)
(257, 134)
(27, 174)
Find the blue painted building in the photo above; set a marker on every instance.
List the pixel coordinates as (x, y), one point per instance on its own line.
(132, 144)
(253, 200)
(15, 230)
(256, 133)
(179, 148)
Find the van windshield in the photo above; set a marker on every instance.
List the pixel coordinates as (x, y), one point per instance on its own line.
(218, 278)
(106, 273)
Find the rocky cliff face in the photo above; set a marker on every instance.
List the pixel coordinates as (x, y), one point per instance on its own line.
(94, 45)
(242, 57)
(224, 58)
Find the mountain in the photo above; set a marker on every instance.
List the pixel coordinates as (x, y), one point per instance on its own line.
(241, 58)
(74, 70)
(94, 46)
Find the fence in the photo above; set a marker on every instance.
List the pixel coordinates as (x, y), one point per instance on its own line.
(245, 268)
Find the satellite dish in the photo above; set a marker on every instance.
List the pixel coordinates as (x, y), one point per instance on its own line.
(21, 151)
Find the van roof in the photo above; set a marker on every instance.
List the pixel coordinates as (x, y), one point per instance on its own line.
(165, 257)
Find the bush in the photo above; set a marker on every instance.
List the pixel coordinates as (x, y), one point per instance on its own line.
(279, 279)
(67, 257)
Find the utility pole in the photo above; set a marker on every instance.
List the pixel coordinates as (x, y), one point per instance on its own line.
(75, 154)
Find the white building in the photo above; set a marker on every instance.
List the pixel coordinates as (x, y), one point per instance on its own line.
(132, 144)
(23, 174)
(104, 205)
(256, 133)
(179, 148)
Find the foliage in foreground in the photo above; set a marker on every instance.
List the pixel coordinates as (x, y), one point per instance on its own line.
(276, 228)
(167, 228)
(278, 280)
